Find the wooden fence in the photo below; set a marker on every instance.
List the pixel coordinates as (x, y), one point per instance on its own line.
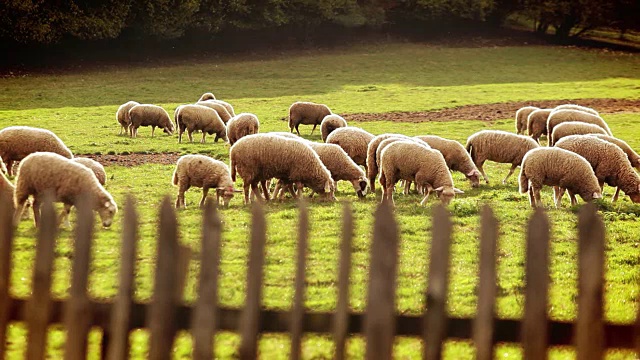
(166, 313)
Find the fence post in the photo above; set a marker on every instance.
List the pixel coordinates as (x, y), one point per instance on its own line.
(483, 325)
(380, 314)
(435, 317)
(250, 319)
(341, 316)
(589, 327)
(534, 323)
(297, 312)
(205, 316)
(6, 250)
(38, 309)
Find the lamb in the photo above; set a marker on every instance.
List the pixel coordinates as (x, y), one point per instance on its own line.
(573, 128)
(330, 123)
(207, 96)
(219, 108)
(260, 157)
(560, 168)
(521, 118)
(122, 115)
(44, 172)
(242, 125)
(560, 116)
(307, 113)
(95, 167)
(149, 115)
(577, 107)
(455, 155)
(203, 172)
(426, 167)
(16, 142)
(498, 146)
(372, 159)
(633, 157)
(354, 141)
(537, 123)
(197, 117)
(610, 164)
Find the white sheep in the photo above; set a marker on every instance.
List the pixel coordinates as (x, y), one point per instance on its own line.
(521, 118)
(354, 141)
(341, 166)
(44, 172)
(562, 169)
(610, 164)
(330, 123)
(149, 115)
(573, 128)
(242, 125)
(200, 118)
(498, 146)
(633, 157)
(16, 142)
(537, 123)
(307, 113)
(122, 115)
(425, 166)
(560, 116)
(203, 172)
(95, 167)
(455, 155)
(219, 108)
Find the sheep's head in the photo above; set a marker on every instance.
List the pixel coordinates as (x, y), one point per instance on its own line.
(360, 186)
(446, 194)
(474, 177)
(327, 191)
(227, 193)
(107, 210)
(635, 196)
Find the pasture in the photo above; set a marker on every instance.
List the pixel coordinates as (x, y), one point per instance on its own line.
(79, 106)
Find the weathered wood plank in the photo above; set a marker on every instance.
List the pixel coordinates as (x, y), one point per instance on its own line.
(589, 329)
(297, 312)
(341, 316)
(483, 326)
(535, 322)
(380, 314)
(250, 322)
(435, 317)
(6, 250)
(205, 318)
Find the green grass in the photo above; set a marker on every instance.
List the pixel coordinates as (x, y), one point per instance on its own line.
(80, 108)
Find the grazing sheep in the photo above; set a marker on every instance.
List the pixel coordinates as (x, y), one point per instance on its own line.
(330, 123)
(633, 157)
(537, 123)
(455, 155)
(203, 172)
(122, 115)
(96, 167)
(149, 115)
(386, 142)
(242, 125)
(560, 168)
(521, 118)
(498, 146)
(560, 116)
(573, 128)
(577, 107)
(219, 108)
(260, 157)
(44, 172)
(307, 113)
(16, 142)
(341, 166)
(226, 105)
(207, 96)
(609, 163)
(372, 159)
(200, 118)
(354, 141)
(425, 166)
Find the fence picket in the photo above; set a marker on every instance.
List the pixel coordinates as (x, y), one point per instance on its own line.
(297, 312)
(535, 321)
(6, 246)
(162, 310)
(77, 316)
(341, 316)
(205, 317)
(380, 314)
(483, 326)
(250, 321)
(589, 329)
(38, 308)
(435, 318)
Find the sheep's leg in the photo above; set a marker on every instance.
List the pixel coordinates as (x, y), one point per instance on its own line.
(513, 168)
(276, 191)
(153, 129)
(17, 215)
(36, 211)
(246, 187)
(256, 192)
(297, 130)
(574, 201)
(615, 196)
(536, 194)
(265, 191)
(64, 216)
(9, 166)
(180, 136)
(532, 200)
(426, 196)
(407, 187)
(558, 193)
(484, 175)
(314, 128)
(190, 133)
(205, 191)
(204, 133)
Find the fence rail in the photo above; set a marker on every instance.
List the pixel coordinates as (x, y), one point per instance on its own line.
(166, 313)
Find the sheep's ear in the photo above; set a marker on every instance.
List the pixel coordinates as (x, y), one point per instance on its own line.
(597, 195)
(458, 191)
(439, 189)
(473, 172)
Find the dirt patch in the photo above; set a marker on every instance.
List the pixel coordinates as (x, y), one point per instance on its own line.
(498, 111)
(135, 159)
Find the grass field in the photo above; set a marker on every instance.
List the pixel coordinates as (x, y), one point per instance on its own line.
(80, 106)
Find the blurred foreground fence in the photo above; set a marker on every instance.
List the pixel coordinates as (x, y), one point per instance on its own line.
(166, 313)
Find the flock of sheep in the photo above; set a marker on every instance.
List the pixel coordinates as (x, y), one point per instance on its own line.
(582, 155)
